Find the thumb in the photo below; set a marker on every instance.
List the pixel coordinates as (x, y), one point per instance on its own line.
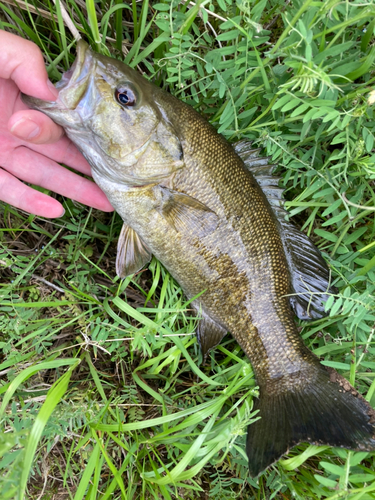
(35, 127)
(22, 62)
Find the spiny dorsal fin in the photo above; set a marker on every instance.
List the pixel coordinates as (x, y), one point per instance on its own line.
(261, 170)
(308, 270)
(132, 253)
(268, 180)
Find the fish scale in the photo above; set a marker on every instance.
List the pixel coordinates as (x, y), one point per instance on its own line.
(212, 214)
(259, 237)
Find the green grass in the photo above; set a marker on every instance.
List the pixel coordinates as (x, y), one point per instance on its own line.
(104, 393)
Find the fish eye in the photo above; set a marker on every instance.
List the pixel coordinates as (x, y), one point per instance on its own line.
(125, 96)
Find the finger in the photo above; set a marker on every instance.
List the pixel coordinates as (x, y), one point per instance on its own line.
(35, 127)
(35, 168)
(22, 61)
(64, 151)
(16, 193)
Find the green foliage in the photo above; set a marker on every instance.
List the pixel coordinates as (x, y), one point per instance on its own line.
(136, 415)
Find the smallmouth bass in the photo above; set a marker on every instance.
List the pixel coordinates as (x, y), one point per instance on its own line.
(211, 213)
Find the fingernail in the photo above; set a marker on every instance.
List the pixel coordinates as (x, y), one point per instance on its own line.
(62, 215)
(25, 129)
(52, 88)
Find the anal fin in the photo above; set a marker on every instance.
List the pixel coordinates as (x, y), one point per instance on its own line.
(209, 333)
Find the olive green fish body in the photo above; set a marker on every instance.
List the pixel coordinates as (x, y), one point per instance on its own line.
(241, 264)
(187, 197)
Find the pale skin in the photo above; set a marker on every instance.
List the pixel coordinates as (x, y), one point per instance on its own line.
(31, 144)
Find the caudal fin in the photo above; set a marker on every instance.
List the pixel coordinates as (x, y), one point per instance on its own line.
(327, 411)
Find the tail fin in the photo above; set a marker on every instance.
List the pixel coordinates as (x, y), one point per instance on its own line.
(326, 411)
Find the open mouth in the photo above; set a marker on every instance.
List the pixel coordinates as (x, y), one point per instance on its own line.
(73, 83)
(78, 69)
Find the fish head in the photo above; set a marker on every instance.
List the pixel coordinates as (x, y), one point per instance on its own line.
(114, 117)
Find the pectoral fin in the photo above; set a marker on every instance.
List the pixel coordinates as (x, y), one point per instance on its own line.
(132, 253)
(186, 214)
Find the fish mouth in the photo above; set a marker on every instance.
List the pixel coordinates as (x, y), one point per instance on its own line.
(71, 87)
(75, 72)
(74, 82)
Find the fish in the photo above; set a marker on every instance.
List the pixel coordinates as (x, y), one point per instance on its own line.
(212, 214)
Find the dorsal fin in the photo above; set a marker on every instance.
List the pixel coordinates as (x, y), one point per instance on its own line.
(308, 270)
(261, 170)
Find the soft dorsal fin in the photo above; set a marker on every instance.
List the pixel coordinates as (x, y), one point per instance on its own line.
(308, 270)
(132, 253)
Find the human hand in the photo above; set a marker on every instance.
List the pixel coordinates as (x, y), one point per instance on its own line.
(31, 144)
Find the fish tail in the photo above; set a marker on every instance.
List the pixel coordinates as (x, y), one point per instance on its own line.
(324, 411)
